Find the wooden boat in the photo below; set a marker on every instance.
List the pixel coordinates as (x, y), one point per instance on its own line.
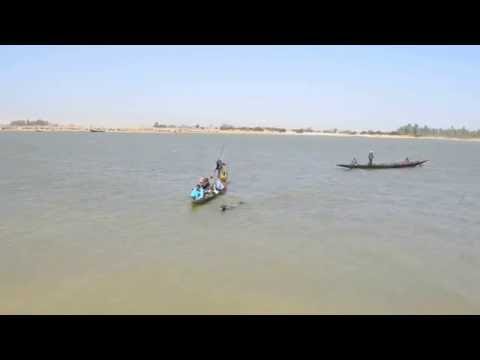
(395, 165)
(224, 178)
(97, 130)
(209, 196)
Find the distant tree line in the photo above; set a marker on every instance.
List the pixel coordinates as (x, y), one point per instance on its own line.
(301, 131)
(29, 123)
(256, 128)
(371, 132)
(157, 125)
(407, 130)
(416, 130)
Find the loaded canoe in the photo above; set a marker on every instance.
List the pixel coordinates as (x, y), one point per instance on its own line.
(396, 165)
(208, 197)
(224, 178)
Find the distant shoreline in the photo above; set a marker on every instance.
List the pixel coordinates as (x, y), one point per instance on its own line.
(62, 129)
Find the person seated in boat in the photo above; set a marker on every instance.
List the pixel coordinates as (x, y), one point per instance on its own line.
(354, 162)
(370, 158)
(204, 183)
(212, 185)
(407, 160)
(219, 185)
(197, 192)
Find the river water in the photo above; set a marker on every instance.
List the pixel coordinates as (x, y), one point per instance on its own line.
(101, 223)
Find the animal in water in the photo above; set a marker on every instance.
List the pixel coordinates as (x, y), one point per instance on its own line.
(225, 207)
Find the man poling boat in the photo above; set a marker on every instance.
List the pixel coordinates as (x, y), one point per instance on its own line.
(221, 170)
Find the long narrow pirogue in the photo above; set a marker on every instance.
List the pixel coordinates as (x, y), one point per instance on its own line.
(395, 165)
(199, 196)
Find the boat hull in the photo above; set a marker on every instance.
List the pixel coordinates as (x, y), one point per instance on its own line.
(208, 197)
(399, 165)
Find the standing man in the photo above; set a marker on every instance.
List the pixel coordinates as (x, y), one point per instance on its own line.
(370, 158)
(219, 167)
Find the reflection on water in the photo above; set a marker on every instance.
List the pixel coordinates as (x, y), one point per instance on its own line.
(101, 223)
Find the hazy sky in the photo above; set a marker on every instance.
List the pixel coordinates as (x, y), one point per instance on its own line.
(347, 87)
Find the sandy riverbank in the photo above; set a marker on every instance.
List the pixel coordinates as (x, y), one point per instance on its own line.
(218, 131)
